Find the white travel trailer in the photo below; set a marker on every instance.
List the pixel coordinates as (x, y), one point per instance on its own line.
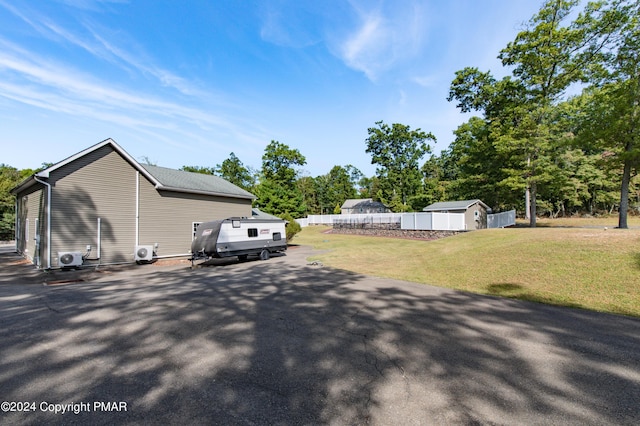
(239, 237)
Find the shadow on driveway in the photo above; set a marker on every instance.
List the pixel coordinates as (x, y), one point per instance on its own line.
(283, 342)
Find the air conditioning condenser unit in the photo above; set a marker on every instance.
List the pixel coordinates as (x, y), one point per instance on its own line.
(144, 253)
(68, 259)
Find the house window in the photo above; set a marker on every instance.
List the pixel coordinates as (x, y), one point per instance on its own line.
(253, 232)
(277, 236)
(194, 228)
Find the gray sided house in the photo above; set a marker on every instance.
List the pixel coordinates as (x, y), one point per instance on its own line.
(100, 206)
(363, 205)
(475, 211)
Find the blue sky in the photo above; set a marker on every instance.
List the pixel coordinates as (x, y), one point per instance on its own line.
(189, 82)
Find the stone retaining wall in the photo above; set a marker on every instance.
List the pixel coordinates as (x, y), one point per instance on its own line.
(395, 233)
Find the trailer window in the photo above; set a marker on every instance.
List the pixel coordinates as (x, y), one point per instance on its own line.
(277, 236)
(253, 232)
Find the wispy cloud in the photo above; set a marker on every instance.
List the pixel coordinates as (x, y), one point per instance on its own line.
(90, 4)
(426, 80)
(168, 108)
(294, 24)
(100, 47)
(137, 60)
(383, 37)
(363, 49)
(43, 83)
(371, 37)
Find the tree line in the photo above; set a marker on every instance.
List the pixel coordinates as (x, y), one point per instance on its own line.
(557, 135)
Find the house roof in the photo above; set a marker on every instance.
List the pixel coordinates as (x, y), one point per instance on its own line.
(181, 181)
(348, 204)
(163, 178)
(453, 205)
(361, 203)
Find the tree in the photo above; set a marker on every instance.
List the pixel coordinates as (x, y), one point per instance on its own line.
(397, 151)
(292, 227)
(355, 175)
(278, 161)
(308, 187)
(146, 160)
(10, 177)
(545, 59)
(484, 171)
(436, 182)
(235, 172)
(369, 187)
(277, 191)
(613, 118)
(199, 169)
(339, 186)
(231, 169)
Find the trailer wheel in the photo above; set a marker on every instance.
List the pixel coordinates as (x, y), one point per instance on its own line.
(265, 255)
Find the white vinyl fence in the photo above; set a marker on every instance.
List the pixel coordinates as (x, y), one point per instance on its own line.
(501, 220)
(422, 221)
(409, 221)
(433, 221)
(303, 222)
(363, 218)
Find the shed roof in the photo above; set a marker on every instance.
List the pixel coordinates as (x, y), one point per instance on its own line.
(259, 214)
(453, 205)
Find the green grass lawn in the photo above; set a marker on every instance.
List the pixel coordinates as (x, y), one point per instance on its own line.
(610, 221)
(594, 269)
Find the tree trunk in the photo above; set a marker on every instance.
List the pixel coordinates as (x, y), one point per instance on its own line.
(527, 195)
(624, 196)
(532, 219)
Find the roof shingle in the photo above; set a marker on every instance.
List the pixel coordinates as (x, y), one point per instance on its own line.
(452, 205)
(171, 179)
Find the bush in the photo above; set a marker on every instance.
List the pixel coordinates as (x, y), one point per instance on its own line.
(292, 227)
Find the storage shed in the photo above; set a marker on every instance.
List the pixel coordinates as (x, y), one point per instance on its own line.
(475, 211)
(100, 206)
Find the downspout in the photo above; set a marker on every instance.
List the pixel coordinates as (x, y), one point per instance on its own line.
(16, 226)
(137, 207)
(99, 240)
(48, 185)
(37, 254)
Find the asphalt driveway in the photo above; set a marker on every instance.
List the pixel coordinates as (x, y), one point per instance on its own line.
(285, 342)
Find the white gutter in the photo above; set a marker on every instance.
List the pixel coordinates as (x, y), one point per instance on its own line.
(137, 207)
(196, 191)
(48, 207)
